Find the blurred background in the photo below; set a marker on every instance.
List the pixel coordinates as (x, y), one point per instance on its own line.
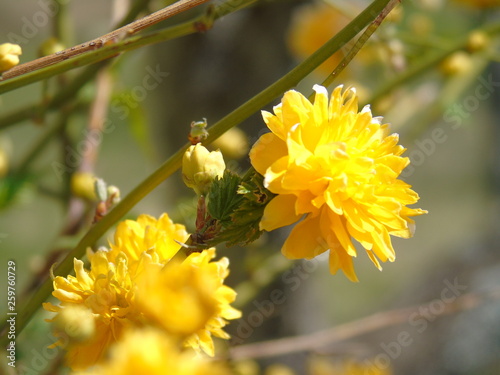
(446, 113)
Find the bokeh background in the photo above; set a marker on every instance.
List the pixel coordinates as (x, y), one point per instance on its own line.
(447, 116)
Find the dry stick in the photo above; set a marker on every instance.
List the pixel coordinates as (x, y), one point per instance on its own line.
(98, 114)
(358, 327)
(110, 38)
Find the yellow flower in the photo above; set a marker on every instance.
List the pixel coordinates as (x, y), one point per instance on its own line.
(312, 26)
(338, 167)
(177, 297)
(107, 290)
(135, 284)
(200, 167)
(9, 56)
(224, 295)
(148, 234)
(152, 352)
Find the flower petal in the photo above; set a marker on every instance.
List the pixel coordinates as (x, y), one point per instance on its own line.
(338, 226)
(267, 150)
(339, 259)
(305, 240)
(279, 212)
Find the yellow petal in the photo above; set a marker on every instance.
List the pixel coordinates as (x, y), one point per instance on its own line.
(274, 176)
(82, 276)
(374, 259)
(339, 259)
(382, 245)
(296, 108)
(357, 217)
(267, 150)
(338, 226)
(305, 240)
(275, 124)
(279, 212)
(305, 203)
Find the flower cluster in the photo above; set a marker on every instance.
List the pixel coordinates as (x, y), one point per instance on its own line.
(338, 169)
(138, 283)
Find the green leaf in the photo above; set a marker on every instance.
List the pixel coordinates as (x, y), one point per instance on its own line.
(244, 210)
(223, 197)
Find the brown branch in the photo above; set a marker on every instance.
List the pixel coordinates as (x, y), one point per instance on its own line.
(110, 38)
(98, 114)
(316, 340)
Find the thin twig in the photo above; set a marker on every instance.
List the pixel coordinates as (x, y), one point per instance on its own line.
(106, 39)
(98, 114)
(360, 42)
(358, 327)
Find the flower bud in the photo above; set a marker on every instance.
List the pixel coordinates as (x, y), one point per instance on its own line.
(49, 47)
(198, 131)
(278, 369)
(200, 167)
(82, 185)
(247, 367)
(233, 143)
(9, 56)
(4, 163)
(101, 189)
(478, 40)
(455, 64)
(113, 194)
(77, 322)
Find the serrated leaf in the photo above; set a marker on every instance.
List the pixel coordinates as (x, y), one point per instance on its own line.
(242, 225)
(223, 198)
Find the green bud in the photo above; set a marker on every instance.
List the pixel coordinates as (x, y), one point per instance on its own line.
(82, 185)
(198, 131)
(200, 167)
(101, 190)
(113, 194)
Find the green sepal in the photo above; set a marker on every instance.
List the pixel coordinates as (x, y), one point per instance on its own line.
(241, 210)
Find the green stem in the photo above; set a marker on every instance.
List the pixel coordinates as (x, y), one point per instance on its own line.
(360, 43)
(174, 162)
(62, 29)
